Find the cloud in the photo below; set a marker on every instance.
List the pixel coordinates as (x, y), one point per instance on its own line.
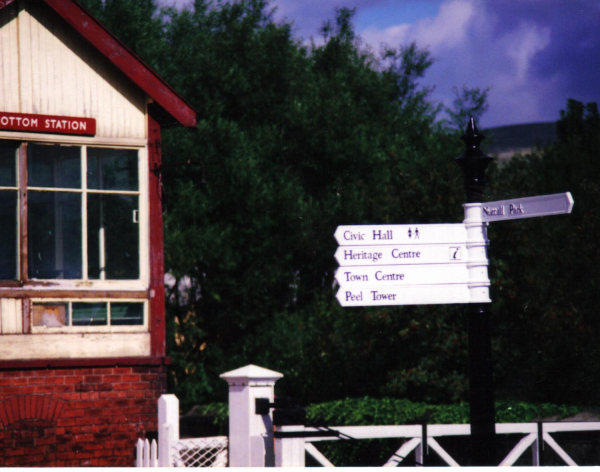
(308, 16)
(513, 51)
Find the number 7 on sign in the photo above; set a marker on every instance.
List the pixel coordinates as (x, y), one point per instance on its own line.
(455, 253)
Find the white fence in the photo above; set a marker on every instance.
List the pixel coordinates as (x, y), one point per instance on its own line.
(292, 450)
(173, 451)
(254, 442)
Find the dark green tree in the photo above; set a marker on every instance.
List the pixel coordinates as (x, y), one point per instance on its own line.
(545, 270)
(295, 141)
(139, 24)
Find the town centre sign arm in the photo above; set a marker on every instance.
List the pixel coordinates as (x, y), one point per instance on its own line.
(432, 263)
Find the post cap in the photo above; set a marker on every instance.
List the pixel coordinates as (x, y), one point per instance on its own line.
(251, 375)
(473, 162)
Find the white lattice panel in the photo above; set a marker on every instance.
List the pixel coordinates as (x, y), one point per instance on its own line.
(200, 452)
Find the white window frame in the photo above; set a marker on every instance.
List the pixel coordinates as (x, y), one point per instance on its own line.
(90, 329)
(143, 218)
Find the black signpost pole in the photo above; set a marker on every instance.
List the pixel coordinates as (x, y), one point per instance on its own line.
(473, 163)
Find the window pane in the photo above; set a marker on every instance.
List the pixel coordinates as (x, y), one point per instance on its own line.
(51, 315)
(8, 235)
(112, 169)
(89, 314)
(8, 165)
(113, 237)
(54, 166)
(130, 314)
(54, 233)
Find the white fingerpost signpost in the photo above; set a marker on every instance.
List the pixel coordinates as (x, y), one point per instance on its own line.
(426, 264)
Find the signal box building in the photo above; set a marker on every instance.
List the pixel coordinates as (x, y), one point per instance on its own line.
(82, 321)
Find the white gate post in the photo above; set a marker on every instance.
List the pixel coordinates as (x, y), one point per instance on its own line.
(290, 452)
(250, 435)
(168, 427)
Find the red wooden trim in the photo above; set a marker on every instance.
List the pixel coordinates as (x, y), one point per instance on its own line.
(23, 239)
(131, 65)
(157, 264)
(5, 3)
(91, 362)
(26, 316)
(29, 292)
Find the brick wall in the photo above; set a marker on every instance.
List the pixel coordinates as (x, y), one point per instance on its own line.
(77, 416)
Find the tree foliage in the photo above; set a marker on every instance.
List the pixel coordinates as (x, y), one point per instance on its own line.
(545, 270)
(297, 139)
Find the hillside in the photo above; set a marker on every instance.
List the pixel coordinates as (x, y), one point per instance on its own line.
(504, 141)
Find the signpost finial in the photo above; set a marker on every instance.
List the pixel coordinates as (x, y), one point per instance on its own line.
(473, 162)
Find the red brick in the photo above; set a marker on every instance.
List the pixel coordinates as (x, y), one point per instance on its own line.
(103, 370)
(26, 407)
(83, 387)
(121, 386)
(73, 413)
(103, 387)
(13, 373)
(90, 396)
(15, 452)
(65, 455)
(55, 380)
(13, 381)
(141, 370)
(55, 409)
(111, 378)
(83, 438)
(68, 372)
(36, 380)
(43, 389)
(18, 390)
(88, 371)
(131, 378)
(59, 408)
(70, 397)
(122, 370)
(47, 440)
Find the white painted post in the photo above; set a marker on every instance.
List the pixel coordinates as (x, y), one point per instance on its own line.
(153, 454)
(479, 282)
(290, 452)
(250, 435)
(168, 427)
(139, 448)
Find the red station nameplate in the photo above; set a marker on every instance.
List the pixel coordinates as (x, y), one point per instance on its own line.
(47, 124)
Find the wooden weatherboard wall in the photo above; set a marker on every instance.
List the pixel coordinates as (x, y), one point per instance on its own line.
(80, 395)
(49, 70)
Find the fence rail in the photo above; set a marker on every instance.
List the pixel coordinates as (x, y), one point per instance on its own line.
(534, 435)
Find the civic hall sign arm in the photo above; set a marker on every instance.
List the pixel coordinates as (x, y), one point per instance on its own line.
(432, 263)
(47, 124)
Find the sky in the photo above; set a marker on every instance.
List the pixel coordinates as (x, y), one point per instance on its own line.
(532, 54)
